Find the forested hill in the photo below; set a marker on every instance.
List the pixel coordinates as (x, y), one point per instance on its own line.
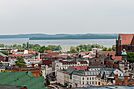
(61, 36)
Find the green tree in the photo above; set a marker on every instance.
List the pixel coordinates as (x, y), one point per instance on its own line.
(109, 49)
(54, 47)
(2, 45)
(58, 48)
(130, 57)
(73, 50)
(104, 49)
(24, 46)
(42, 49)
(36, 47)
(82, 48)
(20, 62)
(114, 48)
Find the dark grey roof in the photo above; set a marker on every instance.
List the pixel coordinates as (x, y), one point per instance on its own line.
(95, 72)
(70, 70)
(1, 54)
(3, 66)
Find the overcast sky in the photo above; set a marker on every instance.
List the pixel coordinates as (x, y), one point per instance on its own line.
(66, 16)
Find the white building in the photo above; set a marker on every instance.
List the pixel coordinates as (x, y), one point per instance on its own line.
(91, 77)
(62, 65)
(60, 77)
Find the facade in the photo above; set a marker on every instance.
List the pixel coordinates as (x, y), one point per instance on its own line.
(46, 70)
(60, 77)
(85, 80)
(125, 41)
(95, 76)
(46, 67)
(63, 65)
(127, 80)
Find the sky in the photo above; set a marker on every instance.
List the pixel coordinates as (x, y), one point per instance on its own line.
(66, 16)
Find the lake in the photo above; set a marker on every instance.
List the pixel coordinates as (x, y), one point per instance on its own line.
(66, 43)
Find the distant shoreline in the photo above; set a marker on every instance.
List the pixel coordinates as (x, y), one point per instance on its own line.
(60, 36)
(57, 38)
(66, 38)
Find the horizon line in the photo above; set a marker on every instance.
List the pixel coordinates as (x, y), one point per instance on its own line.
(71, 33)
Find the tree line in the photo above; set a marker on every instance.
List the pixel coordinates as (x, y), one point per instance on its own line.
(35, 47)
(88, 47)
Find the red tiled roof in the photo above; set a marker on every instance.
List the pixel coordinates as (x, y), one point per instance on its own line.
(80, 67)
(16, 55)
(20, 55)
(114, 57)
(106, 53)
(126, 39)
(68, 62)
(50, 55)
(118, 58)
(47, 62)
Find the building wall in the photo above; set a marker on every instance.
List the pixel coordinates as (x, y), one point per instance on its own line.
(67, 78)
(84, 81)
(2, 70)
(59, 66)
(60, 77)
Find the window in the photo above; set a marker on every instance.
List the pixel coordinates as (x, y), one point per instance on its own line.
(99, 83)
(83, 78)
(87, 83)
(92, 78)
(93, 82)
(83, 83)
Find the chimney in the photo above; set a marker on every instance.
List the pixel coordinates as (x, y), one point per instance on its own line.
(96, 56)
(33, 65)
